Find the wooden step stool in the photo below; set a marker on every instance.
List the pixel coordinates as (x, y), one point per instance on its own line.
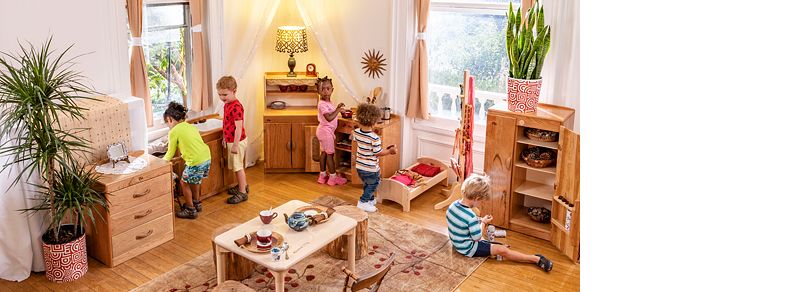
(237, 267)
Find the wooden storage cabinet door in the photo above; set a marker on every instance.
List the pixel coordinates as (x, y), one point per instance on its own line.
(297, 145)
(277, 145)
(568, 242)
(500, 137)
(310, 149)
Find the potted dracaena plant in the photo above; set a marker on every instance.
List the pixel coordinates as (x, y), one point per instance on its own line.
(38, 91)
(527, 43)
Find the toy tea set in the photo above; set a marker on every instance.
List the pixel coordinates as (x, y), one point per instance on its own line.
(265, 240)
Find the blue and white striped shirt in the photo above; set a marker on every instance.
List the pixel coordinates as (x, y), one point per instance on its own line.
(368, 145)
(464, 228)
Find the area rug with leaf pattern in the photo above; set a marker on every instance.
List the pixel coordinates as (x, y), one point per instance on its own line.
(425, 261)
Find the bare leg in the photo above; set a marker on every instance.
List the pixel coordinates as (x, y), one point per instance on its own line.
(196, 191)
(322, 162)
(241, 180)
(188, 194)
(513, 255)
(331, 163)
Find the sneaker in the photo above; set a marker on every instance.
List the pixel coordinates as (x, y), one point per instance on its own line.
(544, 263)
(197, 205)
(373, 202)
(336, 181)
(366, 206)
(237, 198)
(233, 189)
(187, 213)
(322, 178)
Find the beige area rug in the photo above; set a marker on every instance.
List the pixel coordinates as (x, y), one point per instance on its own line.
(425, 261)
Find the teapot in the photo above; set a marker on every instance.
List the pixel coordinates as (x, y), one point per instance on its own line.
(297, 221)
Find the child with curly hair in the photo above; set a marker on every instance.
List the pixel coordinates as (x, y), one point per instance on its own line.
(369, 149)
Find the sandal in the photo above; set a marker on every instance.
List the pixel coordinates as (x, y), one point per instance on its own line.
(544, 263)
(237, 198)
(235, 188)
(197, 205)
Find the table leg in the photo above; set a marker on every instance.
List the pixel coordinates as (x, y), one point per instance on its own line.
(351, 249)
(279, 280)
(220, 267)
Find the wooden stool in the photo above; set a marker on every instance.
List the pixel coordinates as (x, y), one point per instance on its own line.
(237, 267)
(233, 286)
(337, 248)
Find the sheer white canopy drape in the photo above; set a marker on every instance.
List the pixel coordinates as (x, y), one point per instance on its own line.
(562, 69)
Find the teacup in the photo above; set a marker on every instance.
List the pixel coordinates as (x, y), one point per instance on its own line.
(266, 216)
(264, 238)
(276, 253)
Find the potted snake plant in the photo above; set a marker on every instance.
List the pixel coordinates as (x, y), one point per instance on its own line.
(38, 90)
(527, 44)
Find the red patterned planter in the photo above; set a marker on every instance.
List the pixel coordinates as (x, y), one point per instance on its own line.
(523, 95)
(66, 262)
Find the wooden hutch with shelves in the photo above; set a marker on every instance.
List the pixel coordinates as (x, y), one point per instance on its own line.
(516, 186)
(289, 133)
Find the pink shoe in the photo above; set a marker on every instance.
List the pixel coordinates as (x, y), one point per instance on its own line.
(322, 178)
(336, 181)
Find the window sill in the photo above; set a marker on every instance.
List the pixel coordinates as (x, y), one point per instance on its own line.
(446, 126)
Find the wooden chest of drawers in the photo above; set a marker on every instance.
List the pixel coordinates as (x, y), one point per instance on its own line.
(140, 215)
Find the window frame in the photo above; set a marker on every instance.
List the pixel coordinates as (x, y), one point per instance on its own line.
(158, 123)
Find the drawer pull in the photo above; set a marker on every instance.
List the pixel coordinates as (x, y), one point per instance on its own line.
(138, 216)
(141, 194)
(150, 231)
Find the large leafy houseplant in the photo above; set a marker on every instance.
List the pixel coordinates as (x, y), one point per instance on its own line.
(526, 49)
(38, 91)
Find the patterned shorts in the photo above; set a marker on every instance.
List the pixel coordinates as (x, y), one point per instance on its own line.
(194, 174)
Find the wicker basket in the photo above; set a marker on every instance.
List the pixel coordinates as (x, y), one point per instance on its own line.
(538, 157)
(539, 214)
(541, 135)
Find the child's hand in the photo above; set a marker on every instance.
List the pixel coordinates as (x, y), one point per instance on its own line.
(392, 149)
(235, 148)
(486, 219)
(340, 106)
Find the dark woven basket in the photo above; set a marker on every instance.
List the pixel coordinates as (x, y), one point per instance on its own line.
(541, 135)
(538, 157)
(539, 214)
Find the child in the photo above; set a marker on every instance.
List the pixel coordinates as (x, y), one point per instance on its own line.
(369, 148)
(234, 136)
(327, 123)
(465, 229)
(195, 154)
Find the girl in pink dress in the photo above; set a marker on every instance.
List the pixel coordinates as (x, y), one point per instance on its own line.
(327, 123)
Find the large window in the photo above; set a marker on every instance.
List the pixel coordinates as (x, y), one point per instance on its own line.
(467, 35)
(166, 44)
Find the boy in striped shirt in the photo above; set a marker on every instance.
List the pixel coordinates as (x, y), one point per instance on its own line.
(369, 149)
(466, 229)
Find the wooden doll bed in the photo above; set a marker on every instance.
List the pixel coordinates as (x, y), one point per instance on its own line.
(398, 192)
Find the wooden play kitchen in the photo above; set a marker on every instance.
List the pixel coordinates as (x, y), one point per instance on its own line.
(289, 133)
(219, 178)
(546, 176)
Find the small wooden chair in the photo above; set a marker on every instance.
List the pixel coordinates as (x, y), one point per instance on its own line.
(371, 281)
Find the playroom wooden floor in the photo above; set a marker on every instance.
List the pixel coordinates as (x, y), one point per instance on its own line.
(192, 238)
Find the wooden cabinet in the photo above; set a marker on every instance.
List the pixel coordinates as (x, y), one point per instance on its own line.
(284, 140)
(220, 177)
(516, 186)
(139, 217)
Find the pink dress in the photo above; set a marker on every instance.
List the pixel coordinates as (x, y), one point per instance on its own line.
(326, 129)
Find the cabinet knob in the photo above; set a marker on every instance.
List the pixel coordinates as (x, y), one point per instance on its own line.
(521, 122)
(287, 146)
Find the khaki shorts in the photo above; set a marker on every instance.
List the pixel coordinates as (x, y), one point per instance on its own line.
(235, 161)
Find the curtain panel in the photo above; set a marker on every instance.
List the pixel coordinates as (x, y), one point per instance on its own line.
(138, 75)
(417, 99)
(201, 98)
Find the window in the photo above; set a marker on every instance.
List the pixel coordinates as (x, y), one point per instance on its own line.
(469, 35)
(166, 44)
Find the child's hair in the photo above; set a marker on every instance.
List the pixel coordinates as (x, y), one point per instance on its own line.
(368, 114)
(226, 82)
(175, 111)
(320, 81)
(476, 187)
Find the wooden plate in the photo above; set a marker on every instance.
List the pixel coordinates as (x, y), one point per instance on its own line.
(308, 211)
(276, 241)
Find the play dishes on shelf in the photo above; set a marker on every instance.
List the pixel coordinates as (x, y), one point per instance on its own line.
(276, 240)
(318, 214)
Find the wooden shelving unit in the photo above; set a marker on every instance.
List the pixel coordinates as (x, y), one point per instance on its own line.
(536, 190)
(521, 222)
(550, 170)
(529, 141)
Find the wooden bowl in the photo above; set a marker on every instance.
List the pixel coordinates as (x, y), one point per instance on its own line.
(283, 88)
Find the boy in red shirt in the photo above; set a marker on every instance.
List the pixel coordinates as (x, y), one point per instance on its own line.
(234, 136)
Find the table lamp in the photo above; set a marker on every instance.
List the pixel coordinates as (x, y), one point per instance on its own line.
(291, 39)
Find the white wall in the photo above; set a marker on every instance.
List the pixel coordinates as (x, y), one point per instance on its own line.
(98, 28)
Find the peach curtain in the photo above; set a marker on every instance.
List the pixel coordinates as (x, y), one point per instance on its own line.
(417, 99)
(201, 98)
(138, 76)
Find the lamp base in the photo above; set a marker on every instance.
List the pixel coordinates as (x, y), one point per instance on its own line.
(291, 65)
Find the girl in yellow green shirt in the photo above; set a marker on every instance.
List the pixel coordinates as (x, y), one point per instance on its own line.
(195, 154)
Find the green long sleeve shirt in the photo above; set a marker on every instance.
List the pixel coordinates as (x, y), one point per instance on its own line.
(193, 149)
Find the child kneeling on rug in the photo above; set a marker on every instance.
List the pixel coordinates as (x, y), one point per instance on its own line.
(465, 229)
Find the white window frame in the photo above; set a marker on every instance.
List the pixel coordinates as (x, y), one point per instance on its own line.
(159, 128)
(446, 126)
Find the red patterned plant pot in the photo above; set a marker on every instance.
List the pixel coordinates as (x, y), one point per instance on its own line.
(67, 261)
(523, 95)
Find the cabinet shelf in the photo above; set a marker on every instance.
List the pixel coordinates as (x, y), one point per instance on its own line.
(291, 93)
(529, 141)
(521, 222)
(341, 148)
(536, 190)
(524, 165)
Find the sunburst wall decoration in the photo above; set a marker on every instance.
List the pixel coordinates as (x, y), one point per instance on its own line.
(373, 63)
